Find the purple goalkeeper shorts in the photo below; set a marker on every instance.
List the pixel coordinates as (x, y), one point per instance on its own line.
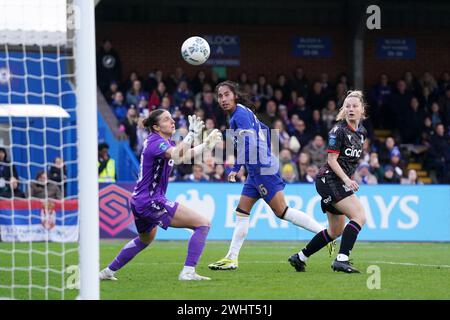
(159, 212)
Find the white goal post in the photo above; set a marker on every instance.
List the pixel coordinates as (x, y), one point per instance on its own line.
(87, 150)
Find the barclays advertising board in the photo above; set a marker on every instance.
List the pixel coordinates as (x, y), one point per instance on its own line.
(394, 212)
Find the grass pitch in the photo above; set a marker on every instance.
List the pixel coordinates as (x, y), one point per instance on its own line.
(406, 271)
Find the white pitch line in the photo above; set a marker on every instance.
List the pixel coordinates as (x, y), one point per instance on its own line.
(412, 264)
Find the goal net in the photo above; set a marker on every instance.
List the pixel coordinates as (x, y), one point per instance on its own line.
(47, 151)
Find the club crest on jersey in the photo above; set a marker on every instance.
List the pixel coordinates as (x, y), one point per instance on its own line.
(331, 141)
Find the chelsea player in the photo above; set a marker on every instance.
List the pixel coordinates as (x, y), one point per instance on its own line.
(264, 181)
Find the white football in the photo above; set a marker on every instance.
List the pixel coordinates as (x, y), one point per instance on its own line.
(195, 50)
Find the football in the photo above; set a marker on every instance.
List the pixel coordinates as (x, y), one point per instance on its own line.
(195, 50)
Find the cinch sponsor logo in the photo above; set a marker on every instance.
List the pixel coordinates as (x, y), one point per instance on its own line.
(352, 152)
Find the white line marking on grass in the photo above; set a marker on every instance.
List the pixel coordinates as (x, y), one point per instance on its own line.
(412, 264)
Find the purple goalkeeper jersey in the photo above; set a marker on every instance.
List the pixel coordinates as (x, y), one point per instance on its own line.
(154, 171)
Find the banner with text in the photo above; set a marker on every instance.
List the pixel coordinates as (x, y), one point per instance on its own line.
(397, 213)
(398, 48)
(225, 50)
(311, 47)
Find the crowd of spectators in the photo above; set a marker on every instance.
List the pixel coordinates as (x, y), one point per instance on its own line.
(414, 109)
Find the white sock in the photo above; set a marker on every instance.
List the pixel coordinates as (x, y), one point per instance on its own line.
(188, 269)
(239, 234)
(302, 256)
(301, 219)
(342, 257)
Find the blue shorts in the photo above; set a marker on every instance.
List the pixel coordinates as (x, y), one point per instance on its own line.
(159, 212)
(263, 186)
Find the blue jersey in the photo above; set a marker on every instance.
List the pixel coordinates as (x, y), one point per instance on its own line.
(252, 141)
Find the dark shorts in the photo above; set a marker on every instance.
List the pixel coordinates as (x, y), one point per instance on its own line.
(332, 191)
(263, 186)
(159, 212)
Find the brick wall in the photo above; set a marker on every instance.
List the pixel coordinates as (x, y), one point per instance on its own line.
(268, 50)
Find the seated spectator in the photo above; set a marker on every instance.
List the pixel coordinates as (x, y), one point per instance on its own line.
(390, 177)
(302, 110)
(363, 175)
(439, 153)
(153, 79)
(270, 115)
(43, 188)
(109, 67)
(128, 83)
(375, 167)
(166, 105)
(379, 99)
(435, 114)
(119, 107)
(211, 107)
(188, 107)
(106, 165)
(329, 115)
(219, 174)
(209, 165)
(317, 126)
(283, 115)
(198, 98)
(129, 127)
(396, 162)
(142, 107)
(179, 118)
(182, 93)
(384, 155)
(58, 173)
(411, 179)
(113, 88)
(426, 132)
(286, 158)
(444, 103)
(397, 106)
(157, 95)
(262, 89)
(282, 135)
(13, 190)
(7, 171)
(278, 97)
(303, 162)
(411, 122)
(317, 151)
(340, 94)
(288, 173)
(327, 88)
(198, 82)
(317, 99)
(300, 133)
(299, 81)
(197, 174)
(311, 174)
(283, 85)
(135, 94)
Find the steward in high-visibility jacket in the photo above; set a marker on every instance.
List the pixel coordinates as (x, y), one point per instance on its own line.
(106, 165)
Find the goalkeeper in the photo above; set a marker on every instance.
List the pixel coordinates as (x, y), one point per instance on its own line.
(148, 201)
